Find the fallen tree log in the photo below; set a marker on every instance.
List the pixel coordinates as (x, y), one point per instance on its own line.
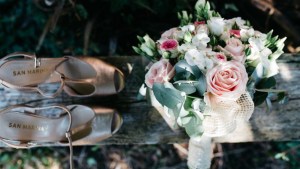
(144, 125)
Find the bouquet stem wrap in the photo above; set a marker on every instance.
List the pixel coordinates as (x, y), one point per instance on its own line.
(200, 152)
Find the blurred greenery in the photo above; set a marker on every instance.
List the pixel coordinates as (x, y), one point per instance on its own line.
(109, 27)
(113, 23)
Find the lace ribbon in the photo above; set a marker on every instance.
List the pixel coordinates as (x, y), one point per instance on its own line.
(222, 115)
(220, 120)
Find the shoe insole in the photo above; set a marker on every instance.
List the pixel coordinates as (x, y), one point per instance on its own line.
(24, 124)
(21, 72)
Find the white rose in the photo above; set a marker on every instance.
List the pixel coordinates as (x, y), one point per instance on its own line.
(216, 25)
(200, 40)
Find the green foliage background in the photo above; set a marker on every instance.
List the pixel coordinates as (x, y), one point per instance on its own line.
(115, 24)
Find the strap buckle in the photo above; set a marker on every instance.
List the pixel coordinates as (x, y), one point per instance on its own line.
(37, 62)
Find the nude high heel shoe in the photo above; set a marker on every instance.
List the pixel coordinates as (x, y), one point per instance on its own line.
(79, 77)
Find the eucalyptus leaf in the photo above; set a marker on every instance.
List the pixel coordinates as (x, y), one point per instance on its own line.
(168, 96)
(183, 76)
(198, 104)
(251, 87)
(201, 86)
(259, 98)
(186, 86)
(188, 103)
(194, 127)
(266, 83)
(183, 67)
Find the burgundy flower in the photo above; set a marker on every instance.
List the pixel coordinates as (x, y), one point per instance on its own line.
(197, 23)
(169, 44)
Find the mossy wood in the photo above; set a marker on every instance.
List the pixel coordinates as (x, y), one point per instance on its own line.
(144, 125)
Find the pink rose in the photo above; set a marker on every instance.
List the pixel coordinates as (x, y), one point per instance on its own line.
(236, 48)
(227, 80)
(168, 45)
(160, 72)
(169, 33)
(219, 58)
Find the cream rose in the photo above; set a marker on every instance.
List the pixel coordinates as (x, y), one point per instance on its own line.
(236, 48)
(160, 72)
(169, 33)
(227, 80)
(173, 33)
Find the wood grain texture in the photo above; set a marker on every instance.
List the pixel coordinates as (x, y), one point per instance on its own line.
(144, 125)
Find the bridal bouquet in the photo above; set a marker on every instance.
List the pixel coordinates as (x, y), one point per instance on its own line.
(210, 72)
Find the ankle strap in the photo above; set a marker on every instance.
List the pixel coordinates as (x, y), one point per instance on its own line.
(37, 63)
(26, 145)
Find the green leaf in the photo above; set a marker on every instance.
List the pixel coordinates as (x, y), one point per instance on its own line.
(95, 148)
(137, 50)
(183, 66)
(282, 98)
(259, 98)
(193, 128)
(81, 11)
(247, 51)
(168, 96)
(140, 39)
(184, 18)
(147, 50)
(183, 76)
(201, 86)
(188, 87)
(188, 103)
(149, 42)
(266, 83)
